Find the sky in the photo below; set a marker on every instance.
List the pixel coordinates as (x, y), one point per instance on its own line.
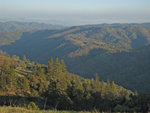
(76, 12)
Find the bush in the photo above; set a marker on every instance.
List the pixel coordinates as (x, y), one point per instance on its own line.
(32, 106)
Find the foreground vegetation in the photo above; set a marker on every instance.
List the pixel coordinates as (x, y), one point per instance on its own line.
(24, 110)
(35, 86)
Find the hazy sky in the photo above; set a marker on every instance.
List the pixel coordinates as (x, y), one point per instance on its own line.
(73, 12)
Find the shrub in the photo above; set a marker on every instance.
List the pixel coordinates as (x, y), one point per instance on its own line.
(32, 106)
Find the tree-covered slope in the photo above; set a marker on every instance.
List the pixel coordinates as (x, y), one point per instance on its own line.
(119, 52)
(32, 85)
(130, 69)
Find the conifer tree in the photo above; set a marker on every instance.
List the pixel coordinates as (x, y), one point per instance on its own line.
(113, 89)
(63, 65)
(50, 68)
(96, 84)
(57, 67)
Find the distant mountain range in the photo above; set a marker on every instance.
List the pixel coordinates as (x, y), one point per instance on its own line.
(119, 52)
(25, 26)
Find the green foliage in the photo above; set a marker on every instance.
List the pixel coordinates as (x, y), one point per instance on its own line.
(32, 106)
(121, 108)
(23, 84)
(50, 87)
(7, 76)
(23, 110)
(63, 65)
(50, 68)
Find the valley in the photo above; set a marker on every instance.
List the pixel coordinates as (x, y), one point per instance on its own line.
(119, 52)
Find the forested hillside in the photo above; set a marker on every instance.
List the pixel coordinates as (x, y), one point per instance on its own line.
(130, 69)
(35, 86)
(119, 52)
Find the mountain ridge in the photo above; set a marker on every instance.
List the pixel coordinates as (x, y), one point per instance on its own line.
(11, 26)
(92, 49)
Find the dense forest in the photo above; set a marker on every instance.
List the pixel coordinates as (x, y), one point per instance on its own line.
(120, 52)
(35, 86)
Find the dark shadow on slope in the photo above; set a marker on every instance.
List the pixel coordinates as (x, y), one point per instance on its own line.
(129, 69)
(32, 45)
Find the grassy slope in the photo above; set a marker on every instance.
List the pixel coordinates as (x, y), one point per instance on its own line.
(9, 37)
(24, 110)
